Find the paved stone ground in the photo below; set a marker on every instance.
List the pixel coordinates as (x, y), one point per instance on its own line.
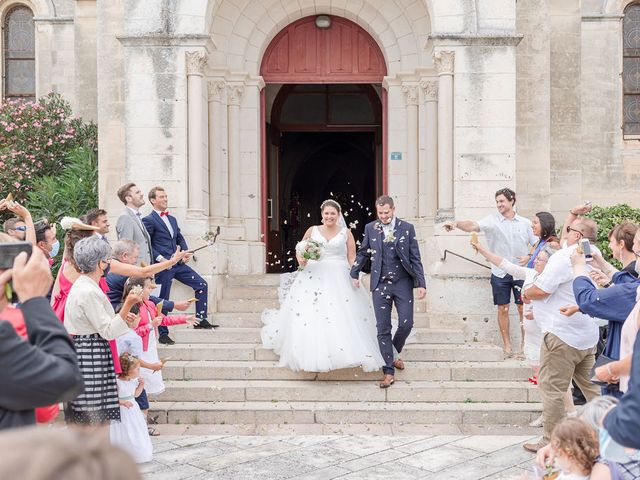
(324, 457)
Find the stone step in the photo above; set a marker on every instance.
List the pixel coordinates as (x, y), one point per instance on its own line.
(258, 413)
(227, 305)
(260, 280)
(412, 352)
(511, 370)
(186, 334)
(326, 391)
(237, 319)
(250, 292)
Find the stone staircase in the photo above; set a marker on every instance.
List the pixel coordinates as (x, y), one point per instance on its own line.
(226, 377)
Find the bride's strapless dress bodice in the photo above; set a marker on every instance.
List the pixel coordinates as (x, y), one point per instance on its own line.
(324, 323)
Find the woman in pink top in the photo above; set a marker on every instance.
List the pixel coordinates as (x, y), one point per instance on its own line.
(150, 320)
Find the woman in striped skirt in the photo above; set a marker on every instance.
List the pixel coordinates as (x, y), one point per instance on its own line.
(91, 321)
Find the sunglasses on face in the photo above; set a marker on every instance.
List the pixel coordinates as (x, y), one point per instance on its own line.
(569, 230)
(21, 229)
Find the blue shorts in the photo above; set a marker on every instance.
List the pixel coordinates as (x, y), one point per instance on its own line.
(142, 400)
(502, 288)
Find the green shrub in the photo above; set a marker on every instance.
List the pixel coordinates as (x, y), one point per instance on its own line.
(607, 218)
(71, 192)
(35, 138)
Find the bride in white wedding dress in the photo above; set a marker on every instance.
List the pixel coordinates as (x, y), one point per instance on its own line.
(324, 322)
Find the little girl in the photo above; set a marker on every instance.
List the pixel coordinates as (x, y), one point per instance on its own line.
(575, 448)
(149, 322)
(131, 432)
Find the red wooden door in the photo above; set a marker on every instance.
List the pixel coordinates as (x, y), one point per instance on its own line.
(342, 53)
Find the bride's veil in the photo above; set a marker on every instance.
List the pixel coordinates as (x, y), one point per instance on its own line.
(341, 221)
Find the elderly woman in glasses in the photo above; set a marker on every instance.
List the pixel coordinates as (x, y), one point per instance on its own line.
(91, 321)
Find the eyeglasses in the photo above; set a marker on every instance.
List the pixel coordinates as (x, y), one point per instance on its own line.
(569, 230)
(21, 229)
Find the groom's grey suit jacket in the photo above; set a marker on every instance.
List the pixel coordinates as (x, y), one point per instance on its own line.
(128, 226)
(406, 248)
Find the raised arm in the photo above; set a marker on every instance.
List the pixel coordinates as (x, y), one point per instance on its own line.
(128, 270)
(464, 225)
(574, 213)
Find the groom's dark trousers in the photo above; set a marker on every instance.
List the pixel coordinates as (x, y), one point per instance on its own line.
(395, 287)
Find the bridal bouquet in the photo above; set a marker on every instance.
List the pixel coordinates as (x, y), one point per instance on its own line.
(309, 250)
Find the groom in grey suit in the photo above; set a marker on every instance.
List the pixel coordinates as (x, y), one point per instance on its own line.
(130, 224)
(391, 246)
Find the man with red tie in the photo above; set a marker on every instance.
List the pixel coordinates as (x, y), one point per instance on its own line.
(165, 238)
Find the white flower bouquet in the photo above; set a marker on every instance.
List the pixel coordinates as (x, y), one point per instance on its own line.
(309, 250)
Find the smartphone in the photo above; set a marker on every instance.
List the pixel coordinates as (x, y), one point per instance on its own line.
(9, 251)
(586, 248)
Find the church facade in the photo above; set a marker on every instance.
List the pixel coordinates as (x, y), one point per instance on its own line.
(250, 113)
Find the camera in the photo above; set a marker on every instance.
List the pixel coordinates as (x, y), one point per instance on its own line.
(586, 249)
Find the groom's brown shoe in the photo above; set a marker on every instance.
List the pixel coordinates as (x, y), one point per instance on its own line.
(399, 364)
(387, 381)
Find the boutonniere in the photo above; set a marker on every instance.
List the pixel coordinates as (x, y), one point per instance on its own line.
(389, 237)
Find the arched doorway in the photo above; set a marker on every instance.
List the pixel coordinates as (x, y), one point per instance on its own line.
(323, 113)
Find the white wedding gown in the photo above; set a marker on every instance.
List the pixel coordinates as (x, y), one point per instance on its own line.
(324, 322)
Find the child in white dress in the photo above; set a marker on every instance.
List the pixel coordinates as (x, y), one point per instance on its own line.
(131, 432)
(150, 319)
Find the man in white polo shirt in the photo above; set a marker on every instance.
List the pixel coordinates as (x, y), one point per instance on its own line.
(510, 236)
(569, 342)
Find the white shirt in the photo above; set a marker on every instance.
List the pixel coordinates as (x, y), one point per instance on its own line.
(166, 221)
(579, 331)
(136, 213)
(88, 311)
(509, 238)
(389, 227)
(130, 343)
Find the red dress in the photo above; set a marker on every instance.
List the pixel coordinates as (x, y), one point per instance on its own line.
(60, 301)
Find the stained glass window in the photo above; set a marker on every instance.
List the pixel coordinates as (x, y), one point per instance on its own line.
(19, 54)
(631, 69)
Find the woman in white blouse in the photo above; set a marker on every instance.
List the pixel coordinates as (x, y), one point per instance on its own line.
(91, 321)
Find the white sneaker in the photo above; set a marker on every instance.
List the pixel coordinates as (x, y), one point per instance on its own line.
(537, 422)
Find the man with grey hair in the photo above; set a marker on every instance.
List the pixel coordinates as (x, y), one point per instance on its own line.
(569, 342)
(126, 251)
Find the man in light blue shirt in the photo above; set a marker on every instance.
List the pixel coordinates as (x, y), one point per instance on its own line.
(510, 236)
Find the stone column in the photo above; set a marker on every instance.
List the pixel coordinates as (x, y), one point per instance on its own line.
(235, 93)
(443, 61)
(411, 99)
(428, 181)
(218, 202)
(196, 62)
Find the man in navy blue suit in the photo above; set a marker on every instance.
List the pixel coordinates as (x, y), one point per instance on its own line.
(165, 238)
(396, 269)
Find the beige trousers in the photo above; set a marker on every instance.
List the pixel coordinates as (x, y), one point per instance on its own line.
(559, 363)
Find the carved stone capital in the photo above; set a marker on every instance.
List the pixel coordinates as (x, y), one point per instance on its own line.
(410, 95)
(234, 94)
(196, 62)
(443, 60)
(217, 90)
(429, 90)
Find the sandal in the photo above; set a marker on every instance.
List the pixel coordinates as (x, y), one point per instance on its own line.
(153, 432)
